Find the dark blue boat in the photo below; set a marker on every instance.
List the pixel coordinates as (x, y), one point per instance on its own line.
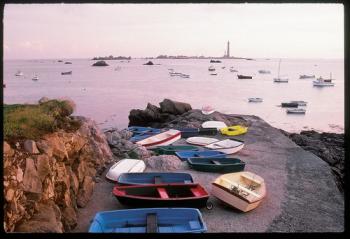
(139, 137)
(149, 220)
(183, 155)
(220, 165)
(188, 132)
(153, 178)
(208, 131)
(141, 130)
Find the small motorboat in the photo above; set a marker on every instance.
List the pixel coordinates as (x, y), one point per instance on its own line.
(162, 195)
(175, 73)
(66, 73)
(213, 74)
(19, 73)
(184, 76)
(207, 110)
(59, 61)
(241, 190)
(149, 220)
(234, 130)
(201, 141)
(211, 68)
(184, 155)
(214, 124)
(219, 165)
(208, 131)
(244, 77)
(125, 166)
(264, 72)
(296, 111)
(164, 138)
(153, 178)
(233, 70)
(35, 78)
(172, 149)
(215, 61)
(227, 146)
(188, 132)
(289, 104)
(299, 102)
(258, 100)
(68, 62)
(323, 82)
(306, 76)
(280, 80)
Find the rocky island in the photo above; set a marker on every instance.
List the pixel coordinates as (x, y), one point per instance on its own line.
(50, 179)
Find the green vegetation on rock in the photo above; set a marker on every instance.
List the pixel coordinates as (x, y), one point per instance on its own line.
(32, 121)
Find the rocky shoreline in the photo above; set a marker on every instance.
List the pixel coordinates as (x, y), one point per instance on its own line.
(327, 146)
(49, 182)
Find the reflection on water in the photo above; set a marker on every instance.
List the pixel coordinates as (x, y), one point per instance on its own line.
(107, 95)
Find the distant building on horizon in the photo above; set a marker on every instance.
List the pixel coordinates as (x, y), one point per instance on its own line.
(227, 53)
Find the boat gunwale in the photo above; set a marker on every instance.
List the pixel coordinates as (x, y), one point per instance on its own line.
(159, 141)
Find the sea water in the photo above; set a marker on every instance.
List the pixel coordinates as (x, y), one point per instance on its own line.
(107, 94)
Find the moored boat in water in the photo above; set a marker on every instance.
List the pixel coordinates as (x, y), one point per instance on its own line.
(256, 99)
(211, 68)
(290, 104)
(66, 73)
(149, 220)
(241, 190)
(323, 82)
(296, 111)
(306, 76)
(244, 77)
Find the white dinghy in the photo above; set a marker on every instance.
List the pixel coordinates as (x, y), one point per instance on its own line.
(165, 138)
(227, 146)
(214, 124)
(201, 141)
(125, 166)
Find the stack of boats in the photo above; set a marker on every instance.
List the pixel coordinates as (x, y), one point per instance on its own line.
(168, 202)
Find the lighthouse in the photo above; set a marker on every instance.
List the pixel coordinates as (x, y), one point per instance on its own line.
(228, 50)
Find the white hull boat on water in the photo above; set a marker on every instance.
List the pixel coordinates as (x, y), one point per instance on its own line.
(35, 78)
(296, 111)
(214, 124)
(227, 146)
(164, 138)
(280, 79)
(125, 166)
(19, 73)
(211, 68)
(242, 190)
(255, 99)
(323, 82)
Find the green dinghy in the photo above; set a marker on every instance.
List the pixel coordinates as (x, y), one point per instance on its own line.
(220, 165)
(171, 149)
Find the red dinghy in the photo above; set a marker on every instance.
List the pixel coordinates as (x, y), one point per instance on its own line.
(162, 195)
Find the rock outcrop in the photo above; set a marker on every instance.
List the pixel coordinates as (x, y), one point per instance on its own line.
(149, 63)
(177, 114)
(100, 63)
(328, 146)
(47, 180)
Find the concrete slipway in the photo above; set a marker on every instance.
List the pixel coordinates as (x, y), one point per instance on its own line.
(301, 193)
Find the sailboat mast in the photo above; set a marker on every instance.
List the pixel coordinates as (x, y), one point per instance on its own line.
(279, 63)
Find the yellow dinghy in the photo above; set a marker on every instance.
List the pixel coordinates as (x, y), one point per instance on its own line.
(241, 190)
(234, 130)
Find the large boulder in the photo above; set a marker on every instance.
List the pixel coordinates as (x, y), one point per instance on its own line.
(174, 107)
(100, 63)
(30, 147)
(163, 163)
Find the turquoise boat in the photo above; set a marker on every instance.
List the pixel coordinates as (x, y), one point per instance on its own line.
(220, 165)
(172, 149)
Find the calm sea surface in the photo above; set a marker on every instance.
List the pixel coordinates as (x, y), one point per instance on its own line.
(107, 95)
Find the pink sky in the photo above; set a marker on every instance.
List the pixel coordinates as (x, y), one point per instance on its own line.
(138, 30)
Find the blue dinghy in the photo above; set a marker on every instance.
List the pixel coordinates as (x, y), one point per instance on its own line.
(149, 220)
(153, 178)
(183, 155)
(140, 130)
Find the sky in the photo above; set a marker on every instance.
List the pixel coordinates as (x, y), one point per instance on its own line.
(43, 31)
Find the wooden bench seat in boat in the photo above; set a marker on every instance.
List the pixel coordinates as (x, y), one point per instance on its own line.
(162, 192)
(196, 192)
